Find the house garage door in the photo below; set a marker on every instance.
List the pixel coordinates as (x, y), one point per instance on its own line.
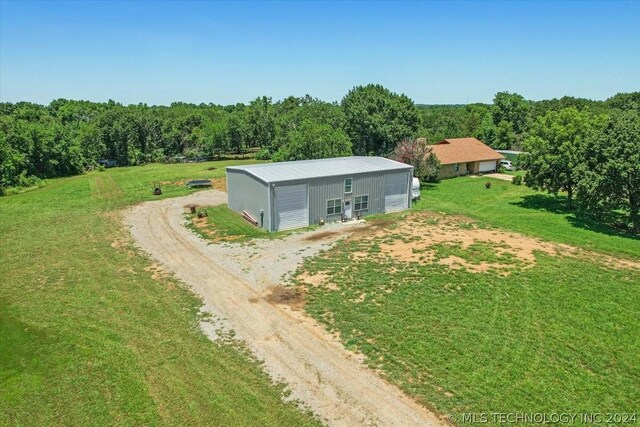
(396, 193)
(292, 208)
(487, 166)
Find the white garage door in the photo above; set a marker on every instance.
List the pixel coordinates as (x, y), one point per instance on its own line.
(396, 194)
(487, 166)
(292, 209)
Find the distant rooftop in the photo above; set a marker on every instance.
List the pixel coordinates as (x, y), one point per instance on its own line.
(462, 150)
(305, 169)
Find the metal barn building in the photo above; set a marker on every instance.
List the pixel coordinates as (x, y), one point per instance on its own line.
(296, 194)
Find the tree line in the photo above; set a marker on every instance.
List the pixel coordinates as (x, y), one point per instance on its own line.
(68, 137)
(594, 158)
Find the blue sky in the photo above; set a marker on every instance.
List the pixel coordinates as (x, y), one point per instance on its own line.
(435, 52)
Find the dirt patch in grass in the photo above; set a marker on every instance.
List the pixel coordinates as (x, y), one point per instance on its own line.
(219, 184)
(313, 279)
(291, 296)
(456, 242)
(123, 244)
(201, 225)
(317, 279)
(457, 263)
(158, 272)
(459, 242)
(358, 255)
(625, 264)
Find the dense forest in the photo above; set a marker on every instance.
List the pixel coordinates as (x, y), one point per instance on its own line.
(68, 137)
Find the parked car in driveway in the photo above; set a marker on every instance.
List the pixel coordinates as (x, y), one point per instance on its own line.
(506, 164)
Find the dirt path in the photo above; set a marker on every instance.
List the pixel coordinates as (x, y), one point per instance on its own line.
(320, 372)
(496, 175)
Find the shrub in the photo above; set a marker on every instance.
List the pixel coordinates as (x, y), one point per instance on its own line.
(26, 181)
(517, 180)
(101, 168)
(157, 156)
(487, 184)
(263, 154)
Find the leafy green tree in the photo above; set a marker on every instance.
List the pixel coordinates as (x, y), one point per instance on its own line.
(260, 125)
(218, 138)
(472, 117)
(540, 108)
(511, 108)
(556, 148)
(377, 119)
(487, 132)
(625, 101)
(504, 136)
(610, 175)
(438, 122)
(13, 161)
(293, 111)
(509, 115)
(237, 132)
(441, 121)
(311, 140)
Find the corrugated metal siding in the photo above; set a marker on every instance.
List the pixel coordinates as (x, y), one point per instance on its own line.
(291, 206)
(247, 193)
(395, 192)
(323, 189)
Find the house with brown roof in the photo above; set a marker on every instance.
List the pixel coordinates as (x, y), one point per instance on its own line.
(464, 156)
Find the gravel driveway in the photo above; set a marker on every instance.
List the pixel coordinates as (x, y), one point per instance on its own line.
(236, 281)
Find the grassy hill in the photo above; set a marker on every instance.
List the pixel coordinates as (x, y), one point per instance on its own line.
(93, 334)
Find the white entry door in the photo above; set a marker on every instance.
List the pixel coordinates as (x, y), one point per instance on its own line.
(348, 209)
(292, 206)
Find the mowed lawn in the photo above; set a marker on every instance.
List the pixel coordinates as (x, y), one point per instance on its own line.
(91, 334)
(559, 334)
(518, 208)
(225, 225)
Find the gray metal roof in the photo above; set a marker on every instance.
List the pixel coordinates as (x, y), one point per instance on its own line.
(305, 169)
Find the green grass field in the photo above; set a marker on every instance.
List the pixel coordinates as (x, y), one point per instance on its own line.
(91, 335)
(97, 336)
(225, 225)
(561, 336)
(518, 208)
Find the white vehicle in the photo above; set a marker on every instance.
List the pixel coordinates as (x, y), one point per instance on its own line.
(506, 164)
(415, 189)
